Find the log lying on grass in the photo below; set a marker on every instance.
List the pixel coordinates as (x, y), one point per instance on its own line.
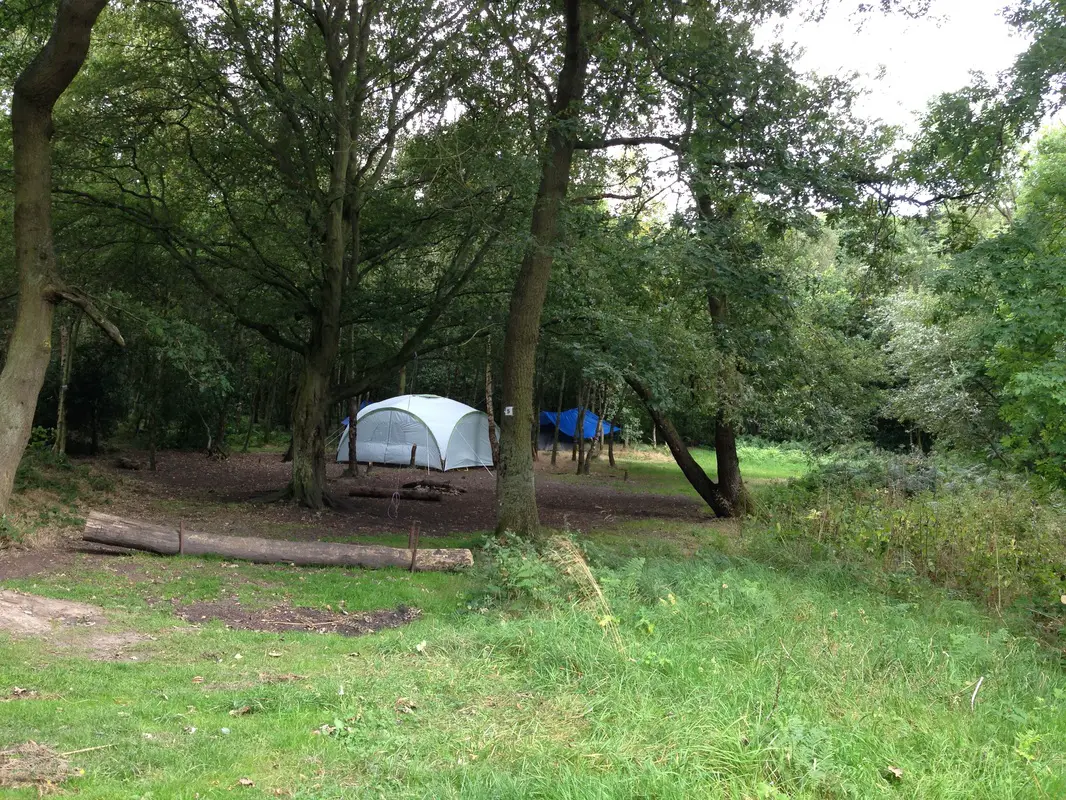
(119, 532)
(404, 494)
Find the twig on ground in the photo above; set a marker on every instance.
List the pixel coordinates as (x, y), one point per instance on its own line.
(86, 750)
(977, 688)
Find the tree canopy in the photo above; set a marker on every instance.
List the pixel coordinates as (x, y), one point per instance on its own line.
(646, 207)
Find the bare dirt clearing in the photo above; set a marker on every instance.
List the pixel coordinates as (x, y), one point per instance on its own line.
(225, 497)
(243, 479)
(69, 625)
(285, 619)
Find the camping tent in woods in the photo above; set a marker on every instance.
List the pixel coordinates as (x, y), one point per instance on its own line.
(446, 434)
(568, 427)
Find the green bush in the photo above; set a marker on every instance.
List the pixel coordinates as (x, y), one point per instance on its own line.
(994, 537)
(515, 569)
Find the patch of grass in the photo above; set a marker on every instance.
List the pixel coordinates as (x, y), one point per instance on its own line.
(141, 581)
(736, 681)
(655, 470)
(48, 490)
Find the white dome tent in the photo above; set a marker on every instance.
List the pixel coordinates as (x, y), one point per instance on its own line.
(448, 434)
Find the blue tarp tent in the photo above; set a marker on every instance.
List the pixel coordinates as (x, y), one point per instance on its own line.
(568, 427)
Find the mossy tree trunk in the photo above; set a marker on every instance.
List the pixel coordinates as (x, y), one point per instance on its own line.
(29, 350)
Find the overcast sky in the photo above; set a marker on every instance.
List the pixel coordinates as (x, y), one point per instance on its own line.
(921, 58)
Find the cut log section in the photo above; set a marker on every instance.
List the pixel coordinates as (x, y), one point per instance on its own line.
(404, 494)
(119, 532)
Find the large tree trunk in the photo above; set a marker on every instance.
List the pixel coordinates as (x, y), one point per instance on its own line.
(29, 350)
(693, 472)
(118, 532)
(308, 486)
(515, 491)
(730, 483)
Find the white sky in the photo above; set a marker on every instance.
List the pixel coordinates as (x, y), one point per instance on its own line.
(920, 58)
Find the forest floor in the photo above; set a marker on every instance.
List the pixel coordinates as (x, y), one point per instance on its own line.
(227, 497)
(728, 678)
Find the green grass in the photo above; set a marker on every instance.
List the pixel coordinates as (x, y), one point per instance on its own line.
(737, 681)
(758, 464)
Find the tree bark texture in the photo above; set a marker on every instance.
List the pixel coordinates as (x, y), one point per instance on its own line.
(730, 483)
(692, 471)
(29, 350)
(515, 490)
(308, 486)
(118, 532)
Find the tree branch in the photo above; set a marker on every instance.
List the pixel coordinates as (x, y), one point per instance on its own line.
(85, 303)
(669, 142)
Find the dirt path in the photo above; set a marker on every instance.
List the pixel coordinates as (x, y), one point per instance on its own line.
(64, 623)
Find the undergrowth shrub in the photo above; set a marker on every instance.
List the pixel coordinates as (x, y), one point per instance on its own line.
(995, 537)
(48, 486)
(515, 569)
(10, 531)
(557, 574)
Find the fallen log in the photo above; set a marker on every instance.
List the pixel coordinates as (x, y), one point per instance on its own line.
(444, 487)
(137, 535)
(404, 494)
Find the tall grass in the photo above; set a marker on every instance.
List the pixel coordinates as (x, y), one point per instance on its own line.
(734, 680)
(997, 538)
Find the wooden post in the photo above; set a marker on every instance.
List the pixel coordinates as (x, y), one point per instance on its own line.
(181, 537)
(414, 447)
(412, 542)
